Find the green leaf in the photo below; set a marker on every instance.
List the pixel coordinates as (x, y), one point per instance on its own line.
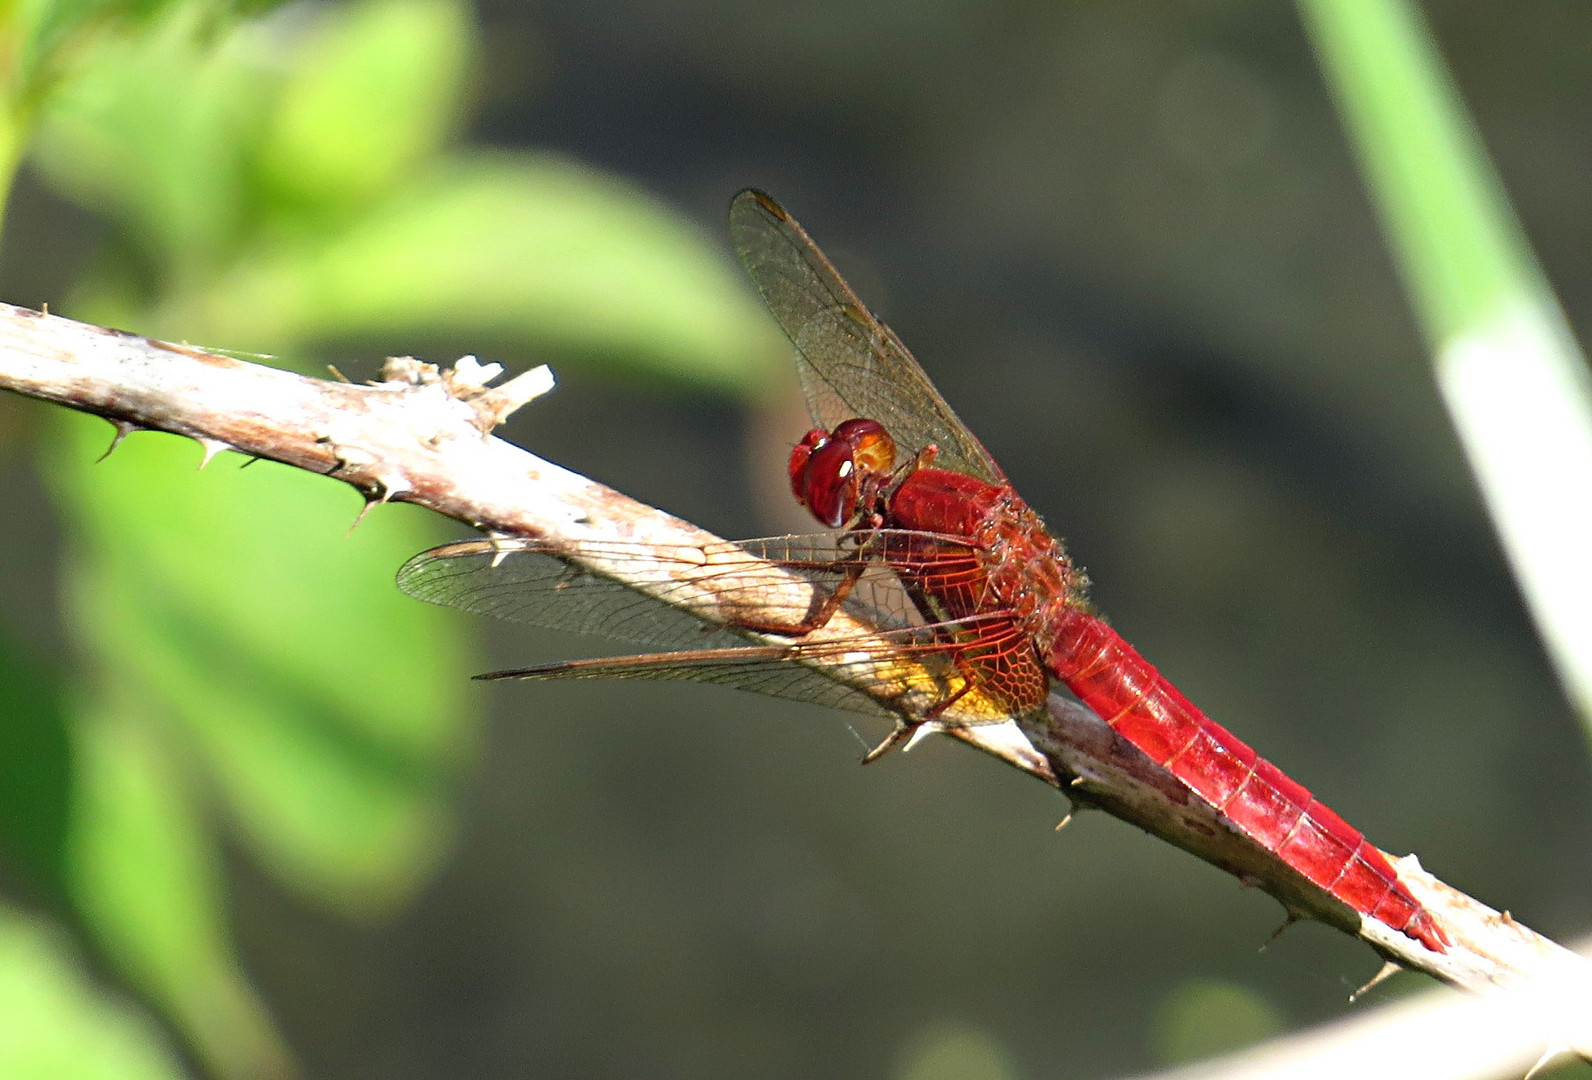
(150, 131)
(144, 879)
(42, 43)
(330, 708)
(373, 91)
(287, 190)
(54, 1023)
(45, 33)
(524, 251)
(175, 132)
(35, 770)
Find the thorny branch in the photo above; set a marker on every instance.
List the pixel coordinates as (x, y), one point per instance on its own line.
(422, 435)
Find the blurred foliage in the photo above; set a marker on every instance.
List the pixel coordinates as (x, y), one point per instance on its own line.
(44, 43)
(1206, 1017)
(54, 1021)
(277, 184)
(293, 183)
(280, 652)
(950, 1051)
(35, 772)
(144, 875)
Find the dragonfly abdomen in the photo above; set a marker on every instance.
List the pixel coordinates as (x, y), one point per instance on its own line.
(1108, 675)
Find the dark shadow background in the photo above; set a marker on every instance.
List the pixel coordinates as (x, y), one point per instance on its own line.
(1129, 243)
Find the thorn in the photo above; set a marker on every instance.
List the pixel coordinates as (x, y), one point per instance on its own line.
(212, 448)
(359, 517)
(123, 428)
(919, 733)
(499, 551)
(386, 488)
(1076, 781)
(392, 485)
(1277, 933)
(1387, 971)
(251, 461)
(340, 376)
(903, 731)
(1554, 1049)
(1074, 808)
(44, 309)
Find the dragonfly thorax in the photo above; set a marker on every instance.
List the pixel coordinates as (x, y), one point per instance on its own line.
(839, 474)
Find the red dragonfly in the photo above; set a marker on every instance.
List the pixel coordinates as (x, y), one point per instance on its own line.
(975, 609)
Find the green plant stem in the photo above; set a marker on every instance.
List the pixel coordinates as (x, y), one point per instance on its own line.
(1513, 378)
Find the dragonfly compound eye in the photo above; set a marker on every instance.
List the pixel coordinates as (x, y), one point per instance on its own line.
(829, 471)
(873, 451)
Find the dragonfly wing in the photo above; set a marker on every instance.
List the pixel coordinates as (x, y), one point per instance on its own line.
(759, 670)
(851, 364)
(661, 595)
(522, 581)
(898, 673)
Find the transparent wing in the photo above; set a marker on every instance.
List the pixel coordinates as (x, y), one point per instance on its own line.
(688, 595)
(666, 595)
(898, 673)
(759, 670)
(851, 364)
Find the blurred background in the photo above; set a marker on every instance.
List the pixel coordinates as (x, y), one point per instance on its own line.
(257, 822)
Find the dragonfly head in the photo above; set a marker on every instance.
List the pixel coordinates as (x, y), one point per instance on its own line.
(839, 474)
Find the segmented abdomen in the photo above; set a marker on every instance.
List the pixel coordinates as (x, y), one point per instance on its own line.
(1277, 813)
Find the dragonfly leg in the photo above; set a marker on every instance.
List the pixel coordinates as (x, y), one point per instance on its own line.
(939, 709)
(854, 569)
(905, 729)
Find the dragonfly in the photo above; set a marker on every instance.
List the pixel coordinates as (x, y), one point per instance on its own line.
(971, 610)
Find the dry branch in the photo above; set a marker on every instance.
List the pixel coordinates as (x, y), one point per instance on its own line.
(422, 436)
